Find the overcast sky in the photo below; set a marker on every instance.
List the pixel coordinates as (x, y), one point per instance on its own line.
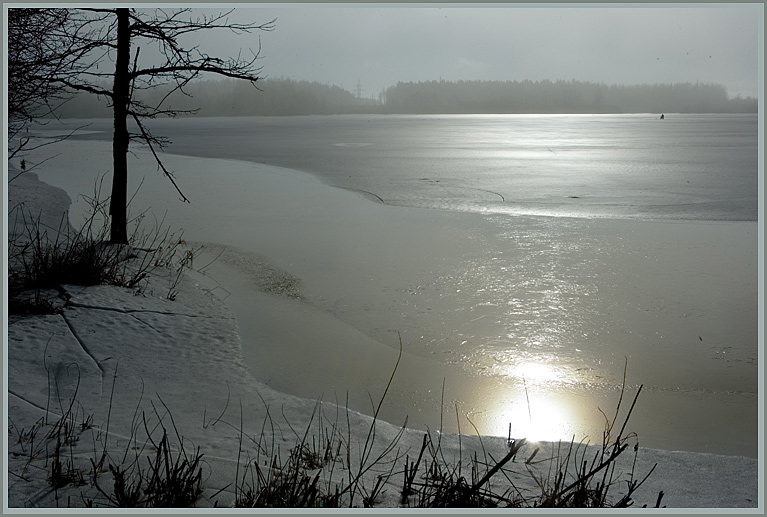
(379, 46)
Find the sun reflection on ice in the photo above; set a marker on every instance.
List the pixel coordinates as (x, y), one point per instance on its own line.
(540, 373)
(540, 415)
(543, 420)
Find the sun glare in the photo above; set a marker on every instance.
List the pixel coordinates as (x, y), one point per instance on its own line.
(542, 420)
(539, 373)
(538, 412)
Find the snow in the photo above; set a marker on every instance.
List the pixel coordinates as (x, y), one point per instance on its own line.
(120, 362)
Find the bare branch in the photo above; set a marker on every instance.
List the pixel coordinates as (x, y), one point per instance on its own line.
(148, 139)
(24, 171)
(25, 140)
(47, 48)
(83, 87)
(77, 50)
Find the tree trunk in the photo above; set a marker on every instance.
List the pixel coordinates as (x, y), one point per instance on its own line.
(118, 209)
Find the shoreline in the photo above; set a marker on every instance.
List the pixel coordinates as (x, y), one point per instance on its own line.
(200, 330)
(322, 316)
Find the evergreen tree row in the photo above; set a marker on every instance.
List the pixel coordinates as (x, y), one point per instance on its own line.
(560, 97)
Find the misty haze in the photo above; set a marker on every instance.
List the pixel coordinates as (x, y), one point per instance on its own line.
(290, 97)
(525, 200)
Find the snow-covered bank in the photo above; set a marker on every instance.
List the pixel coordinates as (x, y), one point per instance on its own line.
(181, 362)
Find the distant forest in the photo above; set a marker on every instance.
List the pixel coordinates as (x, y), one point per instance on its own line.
(290, 97)
(561, 97)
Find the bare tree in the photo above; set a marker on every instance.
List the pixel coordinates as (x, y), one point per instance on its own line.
(41, 50)
(115, 38)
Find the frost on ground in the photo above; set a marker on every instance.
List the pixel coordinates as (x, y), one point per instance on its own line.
(122, 381)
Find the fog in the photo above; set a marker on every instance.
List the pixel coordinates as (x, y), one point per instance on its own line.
(493, 58)
(230, 97)
(365, 49)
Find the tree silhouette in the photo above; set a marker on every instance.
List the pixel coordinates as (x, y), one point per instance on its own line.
(113, 39)
(41, 52)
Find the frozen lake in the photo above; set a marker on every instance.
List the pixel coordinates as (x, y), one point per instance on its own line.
(686, 167)
(522, 259)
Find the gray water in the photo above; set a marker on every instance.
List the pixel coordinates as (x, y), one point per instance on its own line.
(567, 247)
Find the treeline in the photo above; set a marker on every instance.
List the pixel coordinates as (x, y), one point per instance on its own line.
(269, 97)
(229, 97)
(560, 97)
(290, 97)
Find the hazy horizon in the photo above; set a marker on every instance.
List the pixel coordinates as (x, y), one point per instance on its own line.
(375, 47)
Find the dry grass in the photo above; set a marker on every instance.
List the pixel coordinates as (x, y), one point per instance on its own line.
(43, 259)
(567, 478)
(326, 467)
